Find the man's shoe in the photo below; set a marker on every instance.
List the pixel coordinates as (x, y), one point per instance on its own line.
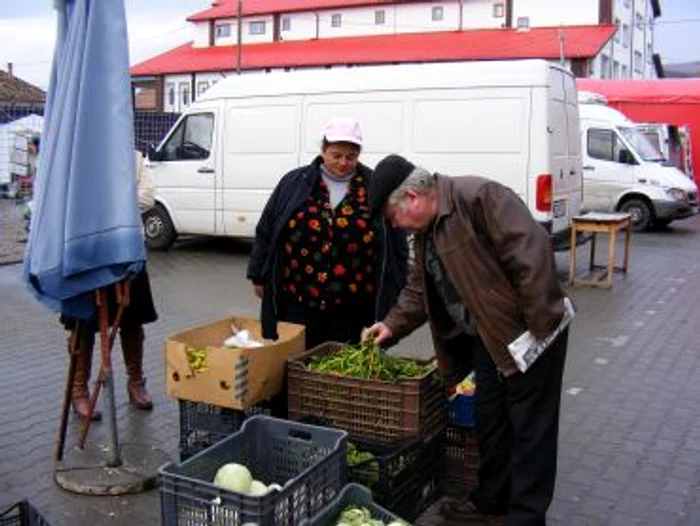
(465, 512)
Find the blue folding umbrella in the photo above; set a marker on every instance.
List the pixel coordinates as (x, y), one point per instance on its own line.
(86, 231)
(86, 228)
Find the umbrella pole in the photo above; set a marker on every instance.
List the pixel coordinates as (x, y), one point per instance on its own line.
(72, 365)
(106, 377)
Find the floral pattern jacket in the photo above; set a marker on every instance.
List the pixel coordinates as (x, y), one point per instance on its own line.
(278, 243)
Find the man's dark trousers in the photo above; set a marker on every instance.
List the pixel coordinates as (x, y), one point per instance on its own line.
(517, 421)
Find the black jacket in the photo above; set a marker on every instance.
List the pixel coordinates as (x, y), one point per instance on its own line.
(292, 190)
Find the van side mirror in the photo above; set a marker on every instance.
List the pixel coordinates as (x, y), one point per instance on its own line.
(153, 154)
(626, 157)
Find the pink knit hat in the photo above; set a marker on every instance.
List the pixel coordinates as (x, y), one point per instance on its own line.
(343, 130)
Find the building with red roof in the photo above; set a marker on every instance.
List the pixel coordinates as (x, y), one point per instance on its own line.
(595, 38)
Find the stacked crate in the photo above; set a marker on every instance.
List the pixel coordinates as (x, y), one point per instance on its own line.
(460, 469)
(400, 423)
(308, 462)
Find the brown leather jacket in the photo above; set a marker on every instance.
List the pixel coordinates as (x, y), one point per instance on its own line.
(499, 260)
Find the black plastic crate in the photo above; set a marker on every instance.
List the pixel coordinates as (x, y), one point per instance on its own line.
(308, 461)
(22, 514)
(351, 495)
(203, 425)
(403, 477)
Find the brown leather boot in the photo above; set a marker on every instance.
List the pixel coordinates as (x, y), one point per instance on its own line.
(132, 347)
(80, 395)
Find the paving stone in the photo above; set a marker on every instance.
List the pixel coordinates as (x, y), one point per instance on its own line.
(629, 440)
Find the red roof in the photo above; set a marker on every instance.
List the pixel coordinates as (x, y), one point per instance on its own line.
(653, 91)
(229, 8)
(482, 44)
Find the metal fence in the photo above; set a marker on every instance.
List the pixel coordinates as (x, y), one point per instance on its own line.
(20, 137)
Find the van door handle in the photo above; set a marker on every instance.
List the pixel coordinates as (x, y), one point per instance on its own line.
(205, 170)
(588, 167)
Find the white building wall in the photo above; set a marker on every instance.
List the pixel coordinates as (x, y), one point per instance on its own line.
(634, 43)
(547, 13)
(201, 34)
(302, 26)
(418, 17)
(354, 22)
(247, 37)
(479, 14)
(177, 92)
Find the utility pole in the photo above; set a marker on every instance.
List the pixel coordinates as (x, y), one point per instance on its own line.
(239, 26)
(562, 60)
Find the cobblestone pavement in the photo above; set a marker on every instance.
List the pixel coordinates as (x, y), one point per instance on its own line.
(630, 429)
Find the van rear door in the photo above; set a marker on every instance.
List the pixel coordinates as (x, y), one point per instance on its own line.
(565, 150)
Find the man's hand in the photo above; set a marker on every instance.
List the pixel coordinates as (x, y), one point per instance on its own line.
(259, 290)
(379, 331)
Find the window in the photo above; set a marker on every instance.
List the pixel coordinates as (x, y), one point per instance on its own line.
(499, 11)
(523, 22)
(286, 23)
(639, 21)
(605, 145)
(171, 94)
(202, 86)
(638, 61)
(438, 13)
(336, 20)
(625, 35)
(624, 71)
(604, 66)
(223, 31)
(617, 31)
(379, 17)
(626, 3)
(616, 69)
(191, 140)
(184, 94)
(650, 52)
(256, 28)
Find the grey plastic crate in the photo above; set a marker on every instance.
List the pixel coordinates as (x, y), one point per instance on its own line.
(351, 495)
(309, 461)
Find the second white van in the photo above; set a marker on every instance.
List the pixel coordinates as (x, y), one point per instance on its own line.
(623, 171)
(514, 122)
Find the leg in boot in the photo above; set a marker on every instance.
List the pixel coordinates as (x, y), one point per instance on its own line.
(80, 397)
(132, 347)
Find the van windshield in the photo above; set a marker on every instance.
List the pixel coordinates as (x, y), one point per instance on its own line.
(641, 144)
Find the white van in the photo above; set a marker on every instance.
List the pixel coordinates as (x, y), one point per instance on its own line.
(515, 122)
(623, 171)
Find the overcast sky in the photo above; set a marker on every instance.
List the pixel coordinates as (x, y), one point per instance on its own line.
(27, 30)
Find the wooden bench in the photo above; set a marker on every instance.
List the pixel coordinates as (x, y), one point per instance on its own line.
(600, 223)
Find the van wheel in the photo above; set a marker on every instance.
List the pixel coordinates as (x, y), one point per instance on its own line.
(642, 216)
(158, 228)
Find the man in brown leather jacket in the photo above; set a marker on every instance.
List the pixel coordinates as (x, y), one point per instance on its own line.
(484, 273)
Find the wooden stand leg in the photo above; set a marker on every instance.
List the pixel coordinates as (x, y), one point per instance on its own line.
(628, 232)
(611, 256)
(591, 263)
(572, 255)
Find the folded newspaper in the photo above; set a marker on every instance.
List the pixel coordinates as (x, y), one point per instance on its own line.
(525, 349)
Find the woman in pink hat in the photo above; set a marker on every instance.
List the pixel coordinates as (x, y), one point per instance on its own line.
(319, 258)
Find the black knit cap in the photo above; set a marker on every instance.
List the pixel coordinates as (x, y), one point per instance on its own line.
(388, 175)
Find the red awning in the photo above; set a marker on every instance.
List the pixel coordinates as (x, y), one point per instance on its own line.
(483, 44)
(652, 91)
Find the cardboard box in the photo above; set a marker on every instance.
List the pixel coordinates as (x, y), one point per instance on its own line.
(230, 377)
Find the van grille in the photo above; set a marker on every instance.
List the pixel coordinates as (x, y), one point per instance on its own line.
(693, 198)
